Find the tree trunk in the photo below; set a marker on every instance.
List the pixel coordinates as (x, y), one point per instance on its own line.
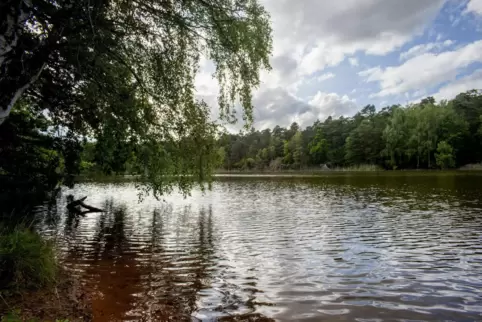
(5, 110)
(12, 17)
(17, 73)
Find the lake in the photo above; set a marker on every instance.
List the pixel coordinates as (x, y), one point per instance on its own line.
(342, 247)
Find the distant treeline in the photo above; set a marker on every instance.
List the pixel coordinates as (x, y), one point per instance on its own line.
(425, 135)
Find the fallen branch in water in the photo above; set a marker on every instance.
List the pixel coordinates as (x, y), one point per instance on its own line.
(75, 205)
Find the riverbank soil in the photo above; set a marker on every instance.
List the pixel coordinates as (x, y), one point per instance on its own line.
(67, 300)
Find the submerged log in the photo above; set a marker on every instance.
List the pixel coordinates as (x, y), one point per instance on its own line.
(75, 206)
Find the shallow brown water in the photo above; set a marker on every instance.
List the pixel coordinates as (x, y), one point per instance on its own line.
(337, 248)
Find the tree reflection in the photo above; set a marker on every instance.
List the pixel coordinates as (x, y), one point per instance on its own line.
(179, 264)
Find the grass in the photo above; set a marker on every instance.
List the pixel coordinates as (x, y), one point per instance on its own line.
(16, 316)
(27, 261)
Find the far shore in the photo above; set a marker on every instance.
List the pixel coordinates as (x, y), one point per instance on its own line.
(295, 173)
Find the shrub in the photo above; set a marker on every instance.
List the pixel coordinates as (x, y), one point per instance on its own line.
(26, 260)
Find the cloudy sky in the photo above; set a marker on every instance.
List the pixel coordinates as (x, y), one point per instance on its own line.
(334, 57)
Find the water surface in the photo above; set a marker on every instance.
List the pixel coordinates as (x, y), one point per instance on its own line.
(337, 248)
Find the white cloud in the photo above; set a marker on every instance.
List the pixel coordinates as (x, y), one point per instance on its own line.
(324, 77)
(371, 74)
(473, 81)
(332, 104)
(275, 106)
(423, 71)
(204, 81)
(311, 35)
(321, 33)
(278, 107)
(425, 48)
(474, 6)
(320, 57)
(349, 21)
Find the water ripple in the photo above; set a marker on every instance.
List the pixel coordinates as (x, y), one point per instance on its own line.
(290, 249)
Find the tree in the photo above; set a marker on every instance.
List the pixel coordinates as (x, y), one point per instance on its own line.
(221, 156)
(395, 137)
(428, 124)
(297, 148)
(445, 155)
(430, 100)
(125, 70)
(32, 160)
(364, 144)
(468, 105)
(293, 150)
(288, 154)
(318, 148)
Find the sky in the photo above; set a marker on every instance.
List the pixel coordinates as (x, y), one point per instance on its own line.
(332, 58)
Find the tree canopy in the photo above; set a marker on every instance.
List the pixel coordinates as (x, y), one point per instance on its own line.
(121, 72)
(424, 135)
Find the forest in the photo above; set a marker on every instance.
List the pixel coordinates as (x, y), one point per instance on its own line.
(426, 135)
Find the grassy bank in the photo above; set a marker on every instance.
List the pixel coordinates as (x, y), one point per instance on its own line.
(33, 286)
(27, 261)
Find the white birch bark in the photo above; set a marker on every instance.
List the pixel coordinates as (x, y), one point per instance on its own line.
(8, 40)
(5, 112)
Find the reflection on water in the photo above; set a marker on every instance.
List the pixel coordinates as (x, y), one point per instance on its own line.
(341, 248)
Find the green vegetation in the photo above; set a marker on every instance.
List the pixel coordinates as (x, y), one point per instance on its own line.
(27, 261)
(419, 136)
(121, 73)
(16, 316)
(445, 155)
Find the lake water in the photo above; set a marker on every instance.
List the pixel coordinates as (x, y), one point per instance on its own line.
(404, 246)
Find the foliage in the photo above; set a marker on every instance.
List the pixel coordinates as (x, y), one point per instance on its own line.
(33, 159)
(445, 155)
(395, 137)
(121, 73)
(318, 148)
(27, 261)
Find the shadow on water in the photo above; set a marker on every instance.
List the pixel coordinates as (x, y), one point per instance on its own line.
(339, 248)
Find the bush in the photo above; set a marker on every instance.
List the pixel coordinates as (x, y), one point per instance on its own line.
(27, 261)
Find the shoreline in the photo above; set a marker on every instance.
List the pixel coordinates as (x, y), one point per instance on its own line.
(220, 174)
(67, 300)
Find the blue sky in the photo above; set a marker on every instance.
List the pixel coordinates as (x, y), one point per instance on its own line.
(334, 57)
